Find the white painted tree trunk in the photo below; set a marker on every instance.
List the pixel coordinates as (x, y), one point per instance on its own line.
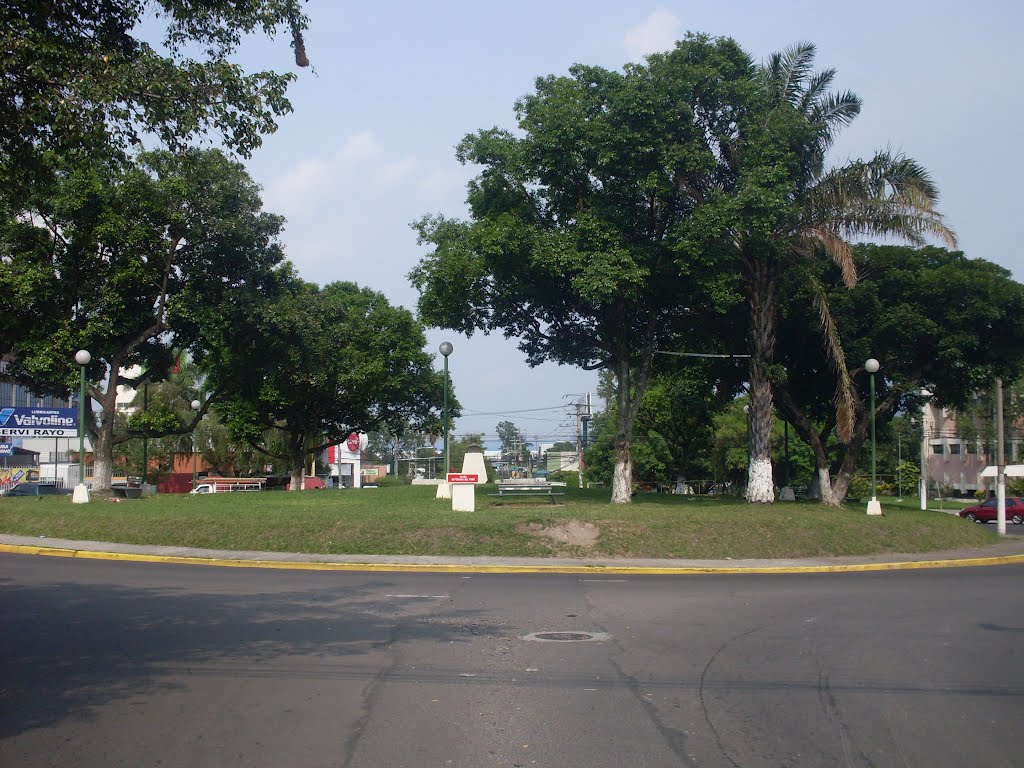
(825, 487)
(760, 487)
(298, 476)
(622, 475)
(760, 483)
(102, 467)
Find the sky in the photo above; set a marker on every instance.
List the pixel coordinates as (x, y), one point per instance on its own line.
(394, 86)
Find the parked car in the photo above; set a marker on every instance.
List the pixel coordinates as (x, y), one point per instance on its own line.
(36, 489)
(986, 511)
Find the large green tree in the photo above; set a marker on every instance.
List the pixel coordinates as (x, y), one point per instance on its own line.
(326, 362)
(582, 242)
(90, 79)
(134, 264)
(821, 209)
(934, 319)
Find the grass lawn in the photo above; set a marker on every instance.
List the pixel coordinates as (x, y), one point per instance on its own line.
(408, 520)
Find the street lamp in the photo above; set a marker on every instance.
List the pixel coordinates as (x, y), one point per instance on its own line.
(196, 405)
(446, 349)
(874, 507)
(81, 493)
(746, 413)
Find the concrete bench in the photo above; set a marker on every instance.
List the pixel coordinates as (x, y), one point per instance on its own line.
(526, 490)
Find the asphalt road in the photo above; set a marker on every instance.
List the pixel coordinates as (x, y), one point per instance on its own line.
(135, 664)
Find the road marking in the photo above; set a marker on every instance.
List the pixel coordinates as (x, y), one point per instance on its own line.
(606, 581)
(625, 570)
(422, 597)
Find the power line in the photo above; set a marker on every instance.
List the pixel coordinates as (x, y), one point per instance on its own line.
(503, 413)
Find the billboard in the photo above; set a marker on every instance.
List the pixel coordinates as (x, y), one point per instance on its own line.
(38, 422)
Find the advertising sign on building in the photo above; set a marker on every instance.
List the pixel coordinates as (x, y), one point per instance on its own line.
(38, 422)
(6, 449)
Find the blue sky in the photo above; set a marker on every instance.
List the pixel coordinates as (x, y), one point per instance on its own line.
(394, 86)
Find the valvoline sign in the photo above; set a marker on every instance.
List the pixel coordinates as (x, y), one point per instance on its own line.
(38, 422)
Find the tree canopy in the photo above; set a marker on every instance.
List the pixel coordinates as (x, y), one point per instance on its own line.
(133, 263)
(934, 319)
(86, 79)
(583, 242)
(326, 362)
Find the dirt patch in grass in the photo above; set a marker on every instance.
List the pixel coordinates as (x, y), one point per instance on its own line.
(573, 532)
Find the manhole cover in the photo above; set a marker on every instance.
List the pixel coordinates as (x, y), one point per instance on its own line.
(566, 637)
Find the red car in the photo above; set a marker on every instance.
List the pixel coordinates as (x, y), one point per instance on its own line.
(986, 511)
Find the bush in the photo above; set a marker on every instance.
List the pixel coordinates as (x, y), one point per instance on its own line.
(388, 481)
(860, 487)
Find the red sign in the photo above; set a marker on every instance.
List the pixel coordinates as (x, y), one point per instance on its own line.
(353, 442)
(460, 478)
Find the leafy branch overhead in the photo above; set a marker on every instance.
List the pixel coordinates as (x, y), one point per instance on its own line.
(86, 78)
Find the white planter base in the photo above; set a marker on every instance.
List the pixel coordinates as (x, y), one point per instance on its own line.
(463, 497)
(874, 507)
(81, 494)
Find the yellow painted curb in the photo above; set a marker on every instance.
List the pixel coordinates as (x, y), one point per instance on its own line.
(617, 570)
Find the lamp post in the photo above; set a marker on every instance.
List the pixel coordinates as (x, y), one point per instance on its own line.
(874, 507)
(81, 493)
(446, 349)
(196, 405)
(746, 413)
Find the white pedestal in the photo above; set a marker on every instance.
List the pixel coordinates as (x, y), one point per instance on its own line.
(463, 497)
(81, 494)
(443, 491)
(874, 507)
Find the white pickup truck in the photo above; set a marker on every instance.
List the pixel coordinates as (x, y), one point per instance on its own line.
(230, 484)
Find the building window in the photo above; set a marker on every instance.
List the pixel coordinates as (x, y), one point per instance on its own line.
(954, 449)
(937, 449)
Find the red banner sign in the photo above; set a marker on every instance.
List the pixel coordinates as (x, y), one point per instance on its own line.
(460, 478)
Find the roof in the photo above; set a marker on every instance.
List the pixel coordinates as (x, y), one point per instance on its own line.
(1012, 470)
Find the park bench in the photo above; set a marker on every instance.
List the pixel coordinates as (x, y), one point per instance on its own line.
(126, 490)
(528, 489)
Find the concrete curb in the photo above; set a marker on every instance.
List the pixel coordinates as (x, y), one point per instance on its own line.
(370, 563)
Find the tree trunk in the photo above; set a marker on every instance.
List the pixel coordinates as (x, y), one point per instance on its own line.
(103, 450)
(103, 435)
(825, 490)
(630, 391)
(622, 475)
(680, 482)
(821, 484)
(760, 484)
(297, 458)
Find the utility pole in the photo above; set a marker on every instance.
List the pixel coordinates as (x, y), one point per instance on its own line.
(579, 442)
(924, 451)
(1000, 462)
(582, 424)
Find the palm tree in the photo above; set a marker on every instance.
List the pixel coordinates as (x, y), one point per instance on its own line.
(888, 196)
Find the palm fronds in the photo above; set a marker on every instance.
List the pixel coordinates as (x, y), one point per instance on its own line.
(785, 73)
(844, 400)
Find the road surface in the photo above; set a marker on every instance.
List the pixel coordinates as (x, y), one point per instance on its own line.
(137, 664)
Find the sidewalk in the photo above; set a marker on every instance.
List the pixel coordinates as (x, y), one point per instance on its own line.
(1010, 550)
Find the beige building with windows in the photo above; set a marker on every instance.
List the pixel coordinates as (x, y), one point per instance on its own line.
(954, 462)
